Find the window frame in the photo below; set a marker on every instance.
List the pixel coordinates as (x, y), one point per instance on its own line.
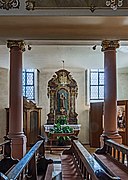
(97, 71)
(25, 85)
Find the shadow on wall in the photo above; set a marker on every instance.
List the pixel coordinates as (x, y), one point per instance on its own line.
(83, 119)
(2, 123)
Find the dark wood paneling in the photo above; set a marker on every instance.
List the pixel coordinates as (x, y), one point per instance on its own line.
(95, 123)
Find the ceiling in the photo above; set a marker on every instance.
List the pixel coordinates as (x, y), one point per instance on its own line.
(64, 27)
(69, 38)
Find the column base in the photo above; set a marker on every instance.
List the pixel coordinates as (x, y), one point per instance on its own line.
(113, 136)
(18, 145)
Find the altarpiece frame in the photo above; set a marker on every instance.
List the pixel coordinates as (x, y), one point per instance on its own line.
(62, 91)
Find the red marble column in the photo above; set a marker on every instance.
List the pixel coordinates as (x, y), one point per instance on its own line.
(16, 100)
(110, 94)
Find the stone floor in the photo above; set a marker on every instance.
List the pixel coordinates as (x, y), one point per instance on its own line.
(55, 156)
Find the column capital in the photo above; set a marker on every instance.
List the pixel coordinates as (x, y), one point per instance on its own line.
(109, 45)
(16, 43)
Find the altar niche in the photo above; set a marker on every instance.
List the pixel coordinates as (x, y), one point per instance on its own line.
(62, 92)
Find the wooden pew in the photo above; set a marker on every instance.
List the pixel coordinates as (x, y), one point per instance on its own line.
(6, 161)
(78, 163)
(33, 165)
(114, 158)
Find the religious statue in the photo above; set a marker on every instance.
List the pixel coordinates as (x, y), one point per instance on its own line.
(62, 101)
(62, 104)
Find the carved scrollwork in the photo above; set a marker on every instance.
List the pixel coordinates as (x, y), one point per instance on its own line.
(30, 4)
(92, 5)
(62, 91)
(9, 4)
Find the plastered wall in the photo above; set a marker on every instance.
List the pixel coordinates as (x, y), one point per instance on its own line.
(4, 91)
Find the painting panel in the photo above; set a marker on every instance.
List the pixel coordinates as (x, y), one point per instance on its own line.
(121, 117)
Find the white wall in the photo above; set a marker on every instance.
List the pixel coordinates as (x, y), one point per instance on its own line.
(122, 86)
(4, 88)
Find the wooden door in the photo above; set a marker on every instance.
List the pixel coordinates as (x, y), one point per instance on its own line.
(95, 123)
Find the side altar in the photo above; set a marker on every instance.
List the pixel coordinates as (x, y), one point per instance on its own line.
(62, 91)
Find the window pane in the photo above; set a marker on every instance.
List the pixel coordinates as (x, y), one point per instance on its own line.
(23, 90)
(101, 78)
(94, 70)
(94, 78)
(97, 84)
(101, 92)
(30, 92)
(23, 78)
(29, 70)
(28, 83)
(101, 70)
(94, 92)
(30, 78)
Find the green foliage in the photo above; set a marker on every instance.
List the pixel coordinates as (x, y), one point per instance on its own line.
(62, 120)
(67, 129)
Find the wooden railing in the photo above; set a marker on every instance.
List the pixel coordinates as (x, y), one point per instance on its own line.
(89, 168)
(27, 167)
(113, 157)
(117, 151)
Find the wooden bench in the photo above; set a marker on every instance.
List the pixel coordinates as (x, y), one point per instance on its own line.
(113, 157)
(78, 164)
(6, 160)
(32, 166)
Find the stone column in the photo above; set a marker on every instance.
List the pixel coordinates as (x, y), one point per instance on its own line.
(16, 99)
(110, 95)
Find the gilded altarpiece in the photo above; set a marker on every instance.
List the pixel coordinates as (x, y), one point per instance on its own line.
(62, 91)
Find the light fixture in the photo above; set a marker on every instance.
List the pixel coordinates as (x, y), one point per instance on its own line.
(29, 47)
(94, 47)
(114, 4)
(9, 4)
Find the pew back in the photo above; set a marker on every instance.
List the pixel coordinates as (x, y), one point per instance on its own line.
(117, 151)
(114, 158)
(86, 163)
(27, 166)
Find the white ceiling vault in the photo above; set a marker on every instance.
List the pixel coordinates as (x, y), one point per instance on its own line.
(63, 34)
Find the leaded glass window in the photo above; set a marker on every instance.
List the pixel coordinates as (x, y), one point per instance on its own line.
(28, 83)
(97, 84)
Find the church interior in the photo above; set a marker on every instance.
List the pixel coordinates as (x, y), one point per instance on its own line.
(49, 54)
